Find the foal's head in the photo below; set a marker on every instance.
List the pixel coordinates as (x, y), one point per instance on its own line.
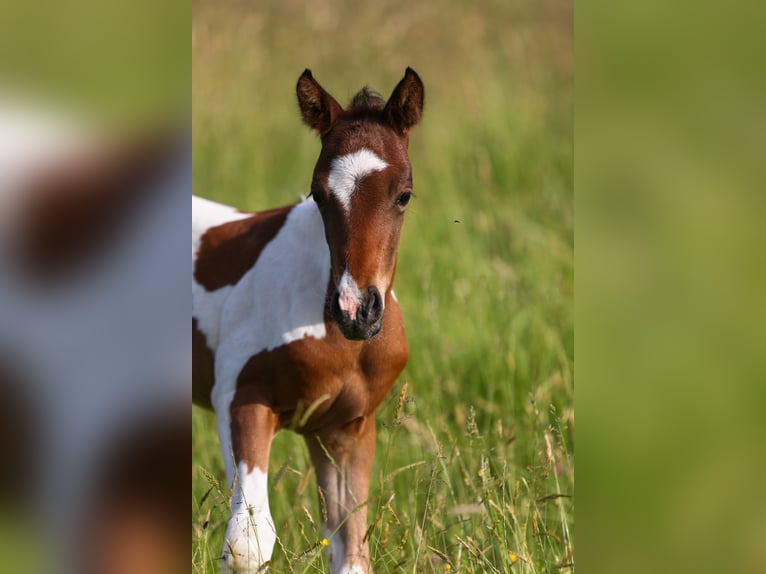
(362, 184)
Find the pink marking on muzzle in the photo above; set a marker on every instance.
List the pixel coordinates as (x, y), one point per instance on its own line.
(349, 296)
(349, 302)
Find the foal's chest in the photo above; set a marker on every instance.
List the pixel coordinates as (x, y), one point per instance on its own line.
(330, 380)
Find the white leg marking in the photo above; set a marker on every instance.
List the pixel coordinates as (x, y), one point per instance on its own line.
(336, 551)
(347, 171)
(336, 556)
(250, 535)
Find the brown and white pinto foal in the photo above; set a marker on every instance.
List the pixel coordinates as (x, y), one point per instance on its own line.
(294, 323)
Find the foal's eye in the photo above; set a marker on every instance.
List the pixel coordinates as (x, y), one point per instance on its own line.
(404, 198)
(318, 198)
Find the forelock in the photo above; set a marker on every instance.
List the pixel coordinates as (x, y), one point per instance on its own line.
(365, 101)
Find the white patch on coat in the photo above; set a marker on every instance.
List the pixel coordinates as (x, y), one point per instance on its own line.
(347, 172)
(278, 301)
(250, 534)
(207, 305)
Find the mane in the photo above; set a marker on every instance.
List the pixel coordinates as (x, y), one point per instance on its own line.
(366, 101)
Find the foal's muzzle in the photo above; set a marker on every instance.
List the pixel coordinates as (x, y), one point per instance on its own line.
(368, 317)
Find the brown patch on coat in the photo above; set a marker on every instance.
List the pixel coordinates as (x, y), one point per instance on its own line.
(203, 368)
(230, 250)
(252, 428)
(77, 206)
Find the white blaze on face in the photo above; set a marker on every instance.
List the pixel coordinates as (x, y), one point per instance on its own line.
(250, 535)
(347, 172)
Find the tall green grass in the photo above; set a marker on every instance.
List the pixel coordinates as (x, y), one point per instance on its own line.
(475, 463)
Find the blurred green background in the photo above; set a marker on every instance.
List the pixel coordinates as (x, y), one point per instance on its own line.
(120, 64)
(475, 468)
(671, 278)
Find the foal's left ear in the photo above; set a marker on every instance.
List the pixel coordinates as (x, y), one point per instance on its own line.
(405, 106)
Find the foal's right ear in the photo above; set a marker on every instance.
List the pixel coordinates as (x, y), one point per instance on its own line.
(319, 109)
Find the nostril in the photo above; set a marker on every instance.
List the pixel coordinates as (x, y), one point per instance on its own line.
(335, 309)
(374, 304)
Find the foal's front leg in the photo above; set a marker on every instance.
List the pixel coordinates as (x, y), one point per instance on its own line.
(343, 458)
(250, 534)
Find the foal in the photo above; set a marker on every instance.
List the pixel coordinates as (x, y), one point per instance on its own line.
(294, 323)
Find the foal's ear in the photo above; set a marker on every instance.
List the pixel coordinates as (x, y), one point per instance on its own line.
(405, 106)
(319, 109)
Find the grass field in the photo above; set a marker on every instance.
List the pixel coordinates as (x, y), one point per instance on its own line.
(474, 469)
